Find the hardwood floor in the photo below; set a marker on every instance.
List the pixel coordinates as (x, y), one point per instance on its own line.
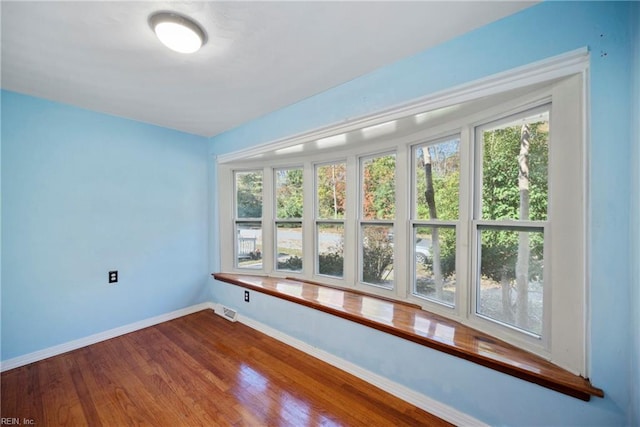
(198, 370)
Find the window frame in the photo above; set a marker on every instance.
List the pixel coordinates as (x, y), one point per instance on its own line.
(374, 222)
(538, 344)
(277, 220)
(249, 220)
(565, 82)
(415, 222)
(318, 220)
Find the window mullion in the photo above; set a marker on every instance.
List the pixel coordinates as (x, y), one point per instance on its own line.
(464, 265)
(351, 222)
(402, 260)
(268, 224)
(308, 224)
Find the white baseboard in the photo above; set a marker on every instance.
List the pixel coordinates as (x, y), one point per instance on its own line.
(408, 395)
(16, 362)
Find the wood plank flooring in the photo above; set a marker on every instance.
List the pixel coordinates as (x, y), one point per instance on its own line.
(198, 370)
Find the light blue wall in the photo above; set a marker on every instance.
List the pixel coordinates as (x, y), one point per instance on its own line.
(0, 217)
(635, 223)
(84, 193)
(537, 33)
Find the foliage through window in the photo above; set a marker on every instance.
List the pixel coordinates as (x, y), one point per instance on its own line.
(331, 187)
(289, 212)
(436, 186)
(378, 204)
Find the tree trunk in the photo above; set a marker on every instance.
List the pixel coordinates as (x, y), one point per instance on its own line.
(507, 307)
(335, 193)
(433, 214)
(522, 264)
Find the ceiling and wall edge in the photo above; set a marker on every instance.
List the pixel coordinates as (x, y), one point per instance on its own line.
(541, 71)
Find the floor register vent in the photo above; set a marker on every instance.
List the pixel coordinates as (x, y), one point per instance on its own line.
(226, 312)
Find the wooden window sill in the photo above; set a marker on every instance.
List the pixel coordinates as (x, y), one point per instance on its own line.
(410, 322)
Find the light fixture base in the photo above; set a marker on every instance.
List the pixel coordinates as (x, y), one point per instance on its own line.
(178, 32)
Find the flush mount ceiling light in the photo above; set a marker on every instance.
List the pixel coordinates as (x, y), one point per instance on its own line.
(177, 32)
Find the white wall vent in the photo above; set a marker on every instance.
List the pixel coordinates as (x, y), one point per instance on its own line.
(226, 312)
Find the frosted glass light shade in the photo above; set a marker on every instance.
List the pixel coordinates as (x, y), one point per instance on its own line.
(177, 32)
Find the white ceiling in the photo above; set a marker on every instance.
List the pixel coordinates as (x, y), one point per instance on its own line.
(260, 56)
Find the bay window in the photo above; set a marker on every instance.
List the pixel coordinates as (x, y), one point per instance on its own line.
(474, 210)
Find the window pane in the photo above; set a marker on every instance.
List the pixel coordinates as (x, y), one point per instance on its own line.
(435, 263)
(511, 282)
(331, 190)
(378, 193)
(514, 169)
(330, 238)
(437, 180)
(377, 255)
(289, 246)
(249, 245)
(288, 193)
(249, 194)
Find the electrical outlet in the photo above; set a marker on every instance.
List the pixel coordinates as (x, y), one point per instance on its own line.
(113, 276)
(246, 296)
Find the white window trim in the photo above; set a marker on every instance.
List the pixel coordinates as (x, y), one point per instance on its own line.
(566, 346)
